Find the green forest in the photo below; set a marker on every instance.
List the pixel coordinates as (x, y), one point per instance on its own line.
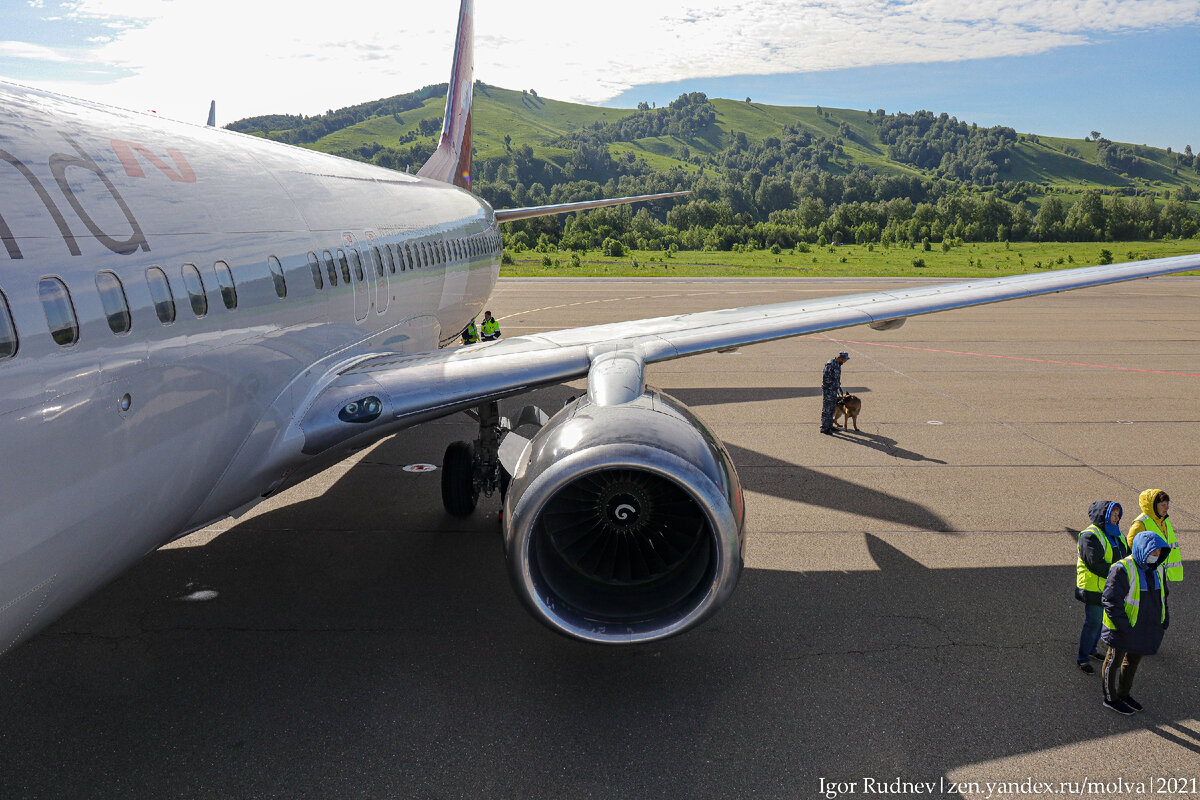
(772, 178)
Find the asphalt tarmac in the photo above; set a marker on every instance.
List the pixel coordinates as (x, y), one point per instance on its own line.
(905, 624)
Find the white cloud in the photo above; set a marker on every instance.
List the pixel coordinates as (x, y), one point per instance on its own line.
(34, 52)
(269, 56)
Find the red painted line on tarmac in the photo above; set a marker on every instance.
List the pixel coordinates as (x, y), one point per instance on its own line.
(1012, 358)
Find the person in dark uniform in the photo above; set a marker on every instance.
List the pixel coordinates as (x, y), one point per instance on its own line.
(831, 389)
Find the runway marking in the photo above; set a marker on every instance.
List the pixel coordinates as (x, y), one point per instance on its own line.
(1011, 358)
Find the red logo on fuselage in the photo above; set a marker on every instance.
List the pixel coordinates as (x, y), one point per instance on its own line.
(126, 152)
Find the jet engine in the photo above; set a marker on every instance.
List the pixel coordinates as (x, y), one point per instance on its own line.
(624, 519)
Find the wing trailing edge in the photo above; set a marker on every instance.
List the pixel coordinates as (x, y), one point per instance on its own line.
(451, 162)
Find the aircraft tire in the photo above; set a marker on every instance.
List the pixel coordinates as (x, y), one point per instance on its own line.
(458, 490)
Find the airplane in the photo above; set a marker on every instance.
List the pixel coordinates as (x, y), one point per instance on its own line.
(192, 320)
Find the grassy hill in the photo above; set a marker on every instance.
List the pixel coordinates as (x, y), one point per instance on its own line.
(1056, 163)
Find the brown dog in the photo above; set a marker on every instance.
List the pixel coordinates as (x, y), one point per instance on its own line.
(847, 408)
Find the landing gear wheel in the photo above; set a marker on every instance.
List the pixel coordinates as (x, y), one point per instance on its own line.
(458, 480)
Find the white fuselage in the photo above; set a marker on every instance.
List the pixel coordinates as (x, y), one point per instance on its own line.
(115, 441)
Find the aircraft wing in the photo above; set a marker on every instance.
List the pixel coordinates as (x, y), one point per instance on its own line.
(415, 388)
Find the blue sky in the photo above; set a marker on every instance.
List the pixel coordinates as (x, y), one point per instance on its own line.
(1139, 88)
(1127, 68)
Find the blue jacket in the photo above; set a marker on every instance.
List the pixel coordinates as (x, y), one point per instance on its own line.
(1145, 637)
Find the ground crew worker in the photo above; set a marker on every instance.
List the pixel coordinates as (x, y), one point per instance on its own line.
(490, 329)
(1100, 546)
(470, 334)
(831, 389)
(1135, 617)
(1155, 504)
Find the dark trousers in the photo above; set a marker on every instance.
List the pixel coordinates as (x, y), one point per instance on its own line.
(1119, 669)
(1089, 637)
(828, 402)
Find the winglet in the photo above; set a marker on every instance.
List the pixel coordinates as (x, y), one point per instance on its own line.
(212, 114)
(452, 161)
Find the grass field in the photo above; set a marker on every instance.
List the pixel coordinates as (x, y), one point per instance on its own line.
(968, 261)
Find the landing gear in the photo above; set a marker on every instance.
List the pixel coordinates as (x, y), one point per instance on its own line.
(459, 494)
(469, 470)
(472, 469)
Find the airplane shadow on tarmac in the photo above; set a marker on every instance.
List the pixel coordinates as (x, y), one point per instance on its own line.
(364, 644)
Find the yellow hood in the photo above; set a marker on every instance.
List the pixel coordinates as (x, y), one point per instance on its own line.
(1146, 501)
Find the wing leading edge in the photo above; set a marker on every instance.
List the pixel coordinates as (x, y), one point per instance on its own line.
(421, 387)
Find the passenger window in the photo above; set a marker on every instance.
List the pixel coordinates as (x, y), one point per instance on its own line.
(225, 281)
(357, 263)
(60, 313)
(378, 259)
(160, 293)
(345, 266)
(116, 305)
(406, 260)
(330, 269)
(315, 266)
(277, 276)
(8, 332)
(195, 289)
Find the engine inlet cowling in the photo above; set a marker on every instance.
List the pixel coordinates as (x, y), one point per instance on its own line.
(624, 523)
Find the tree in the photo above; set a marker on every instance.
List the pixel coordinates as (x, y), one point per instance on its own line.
(1096, 135)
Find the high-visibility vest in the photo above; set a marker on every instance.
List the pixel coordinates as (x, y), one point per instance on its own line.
(471, 333)
(1084, 578)
(490, 327)
(1133, 597)
(1174, 563)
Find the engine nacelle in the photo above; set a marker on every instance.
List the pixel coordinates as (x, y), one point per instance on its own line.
(624, 523)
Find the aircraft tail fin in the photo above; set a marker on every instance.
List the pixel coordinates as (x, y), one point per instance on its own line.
(212, 114)
(451, 163)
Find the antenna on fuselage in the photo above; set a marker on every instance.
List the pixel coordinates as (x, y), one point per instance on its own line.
(212, 114)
